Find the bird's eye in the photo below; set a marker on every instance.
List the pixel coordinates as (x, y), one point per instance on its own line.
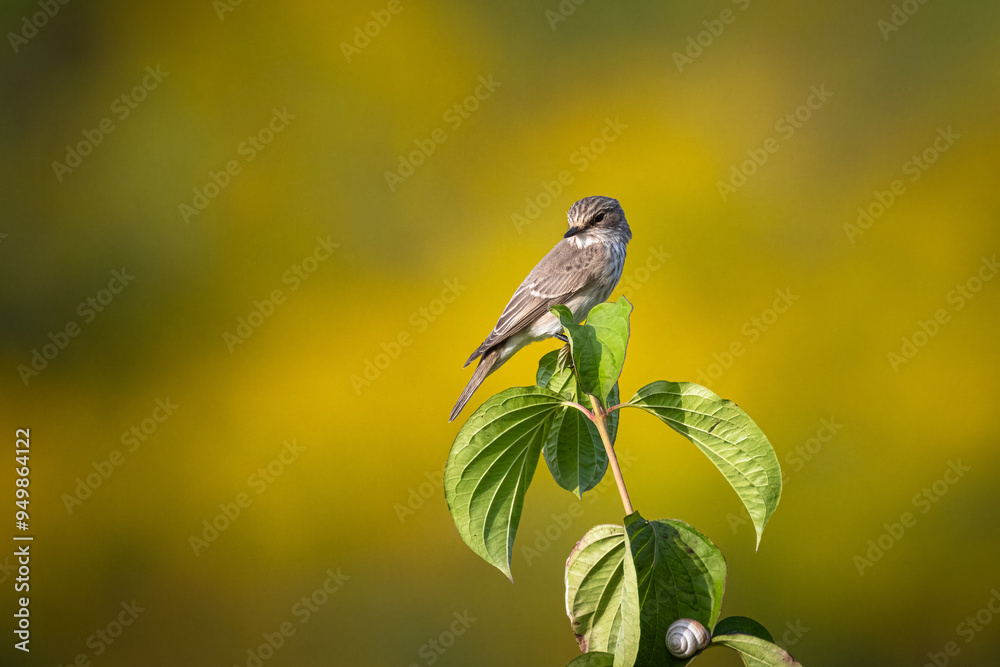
(598, 218)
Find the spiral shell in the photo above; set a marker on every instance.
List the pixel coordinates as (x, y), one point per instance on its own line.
(685, 637)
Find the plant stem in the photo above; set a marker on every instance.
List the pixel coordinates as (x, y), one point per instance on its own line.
(600, 420)
(590, 415)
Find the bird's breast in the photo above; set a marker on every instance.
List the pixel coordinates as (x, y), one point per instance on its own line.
(597, 290)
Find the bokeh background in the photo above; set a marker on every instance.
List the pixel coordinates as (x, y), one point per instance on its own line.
(434, 256)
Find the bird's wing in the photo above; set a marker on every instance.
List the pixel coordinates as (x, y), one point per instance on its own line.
(564, 271)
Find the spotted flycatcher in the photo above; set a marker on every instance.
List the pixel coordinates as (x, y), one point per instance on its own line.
(579, 272)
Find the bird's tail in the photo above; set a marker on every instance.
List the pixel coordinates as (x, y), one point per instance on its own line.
(485, 367)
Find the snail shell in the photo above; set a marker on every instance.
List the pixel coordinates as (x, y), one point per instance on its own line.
(685, 637)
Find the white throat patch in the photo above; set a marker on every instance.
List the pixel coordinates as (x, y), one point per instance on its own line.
(583, 240)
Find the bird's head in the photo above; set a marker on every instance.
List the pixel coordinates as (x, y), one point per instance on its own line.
(596, 219)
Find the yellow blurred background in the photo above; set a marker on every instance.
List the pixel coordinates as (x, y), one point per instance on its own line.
(229, 160)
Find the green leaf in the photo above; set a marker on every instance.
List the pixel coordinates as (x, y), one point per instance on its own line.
(673, 572)
(594, 572)
(741, 625)
(490, 467)
(573, 450)
(629, 630)
(756, 652)
(599, 345)
(550, 376)
(595, 659)
(727, 435)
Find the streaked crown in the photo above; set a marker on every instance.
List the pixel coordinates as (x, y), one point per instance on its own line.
(598, 215)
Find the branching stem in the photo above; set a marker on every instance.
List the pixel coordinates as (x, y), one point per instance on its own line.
(600, 419)
(590, 415)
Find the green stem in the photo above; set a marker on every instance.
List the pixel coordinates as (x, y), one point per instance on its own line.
(600, 419)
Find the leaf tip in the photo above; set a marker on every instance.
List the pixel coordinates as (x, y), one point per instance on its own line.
(506, 571)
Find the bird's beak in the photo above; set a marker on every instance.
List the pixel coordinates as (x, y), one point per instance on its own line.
(572, 231)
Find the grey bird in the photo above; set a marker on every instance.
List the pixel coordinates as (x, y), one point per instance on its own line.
(580, 272)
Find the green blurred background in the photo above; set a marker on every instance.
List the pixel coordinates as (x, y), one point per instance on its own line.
(361, 496)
